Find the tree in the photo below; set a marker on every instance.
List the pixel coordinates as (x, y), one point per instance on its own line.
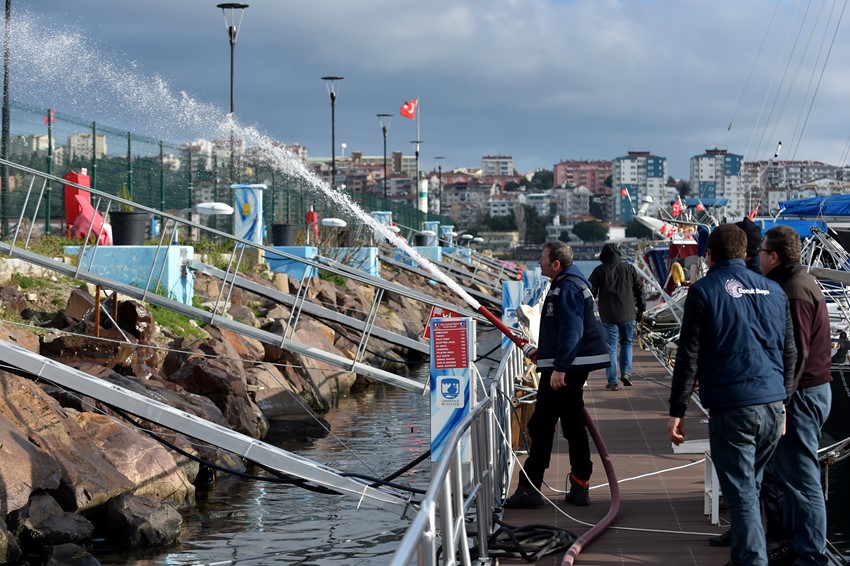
(500, 223)
(590, 231)
(543, 179)
(635, 229)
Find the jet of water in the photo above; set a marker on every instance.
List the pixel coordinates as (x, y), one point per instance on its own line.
(55, 66)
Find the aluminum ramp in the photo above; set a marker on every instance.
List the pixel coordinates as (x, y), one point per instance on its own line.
(310, 308)
(196, 427)
(218, 320)
(482, 297)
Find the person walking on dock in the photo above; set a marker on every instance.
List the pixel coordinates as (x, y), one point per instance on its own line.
(795, 461)
(617, 286)
(737, 341)
(571, 346)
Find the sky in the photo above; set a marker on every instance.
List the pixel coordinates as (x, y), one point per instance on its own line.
(539, 80)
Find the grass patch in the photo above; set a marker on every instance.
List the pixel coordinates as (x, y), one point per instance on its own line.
(176, 323)
(337, 280)
(24, 282)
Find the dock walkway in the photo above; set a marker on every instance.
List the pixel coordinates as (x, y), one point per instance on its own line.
(661, 518)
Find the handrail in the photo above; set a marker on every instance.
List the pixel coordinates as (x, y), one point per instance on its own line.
(445, 512)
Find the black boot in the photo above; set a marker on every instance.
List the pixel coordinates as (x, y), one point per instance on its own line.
(578, 495)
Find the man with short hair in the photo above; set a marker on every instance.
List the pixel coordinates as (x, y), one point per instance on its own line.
(570, 345)
(736, 340)
(795, 461)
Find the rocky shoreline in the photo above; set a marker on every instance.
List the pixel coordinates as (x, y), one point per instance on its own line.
(73, 468)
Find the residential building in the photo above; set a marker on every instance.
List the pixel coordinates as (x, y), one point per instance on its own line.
(572, 201)
(716, 174)
(497, 165)
(759, 177)
(80, 146)
(635, 176)
(505, 204)
(591, 174)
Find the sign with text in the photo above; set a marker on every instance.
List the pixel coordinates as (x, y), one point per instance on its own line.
(452, 352)
(436, 312)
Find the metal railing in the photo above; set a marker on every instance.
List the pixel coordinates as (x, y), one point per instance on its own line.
(457, 513)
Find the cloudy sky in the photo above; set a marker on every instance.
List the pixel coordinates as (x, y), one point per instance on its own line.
(541, 80)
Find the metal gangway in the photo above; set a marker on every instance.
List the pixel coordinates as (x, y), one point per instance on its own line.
(36, 183)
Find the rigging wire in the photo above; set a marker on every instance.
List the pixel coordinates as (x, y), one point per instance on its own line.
(823, 69)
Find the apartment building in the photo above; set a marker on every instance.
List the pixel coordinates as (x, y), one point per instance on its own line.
(591, 174)
(634, 176)
(497, 165)
(716, 174)
(80, 146)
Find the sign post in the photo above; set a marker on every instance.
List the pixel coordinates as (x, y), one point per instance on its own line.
(452, 392)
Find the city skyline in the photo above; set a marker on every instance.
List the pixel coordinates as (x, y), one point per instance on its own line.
(492, 79)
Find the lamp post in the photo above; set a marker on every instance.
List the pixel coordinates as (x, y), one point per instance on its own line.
(206, 209)
(327, 222)
(232, 8)
(332, 83)
(439, 160)
(384, 120)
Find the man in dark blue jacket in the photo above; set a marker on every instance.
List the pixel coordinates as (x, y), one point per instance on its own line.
(738, 343)
(571, 345)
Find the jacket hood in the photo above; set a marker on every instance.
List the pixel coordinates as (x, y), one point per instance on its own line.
(609, 253)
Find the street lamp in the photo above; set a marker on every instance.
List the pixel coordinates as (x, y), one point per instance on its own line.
(333, 84)
(439, 160)
(384, 120)
(327, 222)
(205, 209)
(232, 8)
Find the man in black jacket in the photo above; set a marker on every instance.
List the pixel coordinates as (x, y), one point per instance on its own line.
(617, 286)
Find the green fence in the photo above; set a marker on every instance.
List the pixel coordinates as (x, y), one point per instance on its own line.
(158, 174)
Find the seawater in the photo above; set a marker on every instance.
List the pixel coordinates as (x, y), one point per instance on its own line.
(252, 522)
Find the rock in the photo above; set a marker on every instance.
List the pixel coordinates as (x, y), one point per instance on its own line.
(12, 300)
(142, 521)
(20, 336)
(88, 479)
(10, 552)
(135, 318)
(80, 303)
(42, 522)
(243, 314)
(245, 347)
(67, 555)
(214, 378)
(24, 468)
(143, 460)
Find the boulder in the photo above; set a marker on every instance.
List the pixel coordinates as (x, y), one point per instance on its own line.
(67, 555)
(42, 522)
(142, 521)
(10, 552)
(24, 468)
(143, 460)
(87, 478)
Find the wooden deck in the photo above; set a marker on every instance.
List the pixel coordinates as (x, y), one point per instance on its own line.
(661, 518)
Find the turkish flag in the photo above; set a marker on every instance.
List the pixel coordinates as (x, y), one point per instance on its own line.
(700, 207)
(408, 109)
(625, 192)
(677, 208)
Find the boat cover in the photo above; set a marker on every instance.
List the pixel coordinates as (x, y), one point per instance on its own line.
(831, 205)
(803, 227)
